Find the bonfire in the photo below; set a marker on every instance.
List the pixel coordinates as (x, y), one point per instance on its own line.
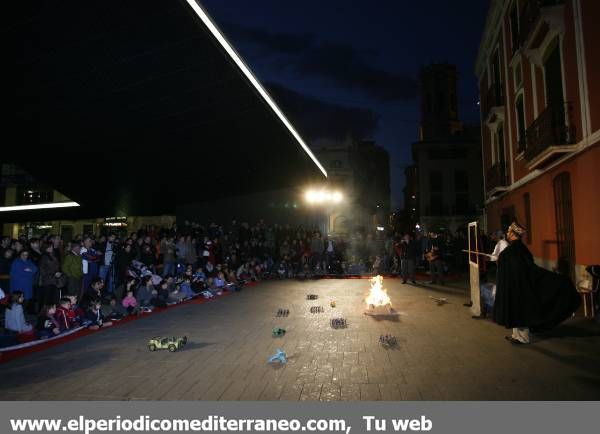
(378, 301)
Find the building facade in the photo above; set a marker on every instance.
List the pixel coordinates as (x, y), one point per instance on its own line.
(447, 157)
(360, 169)
(540, 120)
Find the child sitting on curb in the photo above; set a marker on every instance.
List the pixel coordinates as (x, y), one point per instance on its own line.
(130, 302)
(46, 325)
(14, 318)
(95, 316)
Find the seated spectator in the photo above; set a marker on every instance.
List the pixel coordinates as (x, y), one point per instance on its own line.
(64, 315)
(14, 318)
(219, 281)
(157, 300)
(212, 287)
(47, 326)
(94, 292)
(77, 313)
(117, 311)
(185, 287)
(130, 303)
(144, 292)
(95, 317)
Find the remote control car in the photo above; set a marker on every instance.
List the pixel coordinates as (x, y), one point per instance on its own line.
(439, 300)
(279, 356)
(312, 296)
(316, 309)
(387, 340)
(339, 323)
(282, 312)
(171, 344)
(332, 303)
(278, 332)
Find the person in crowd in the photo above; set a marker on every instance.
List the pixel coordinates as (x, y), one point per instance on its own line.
(93, 293)
(90, 259)
(14, 316)
(436, 265)
(72, 267)
(47, 326)
(408, 259)
(52, 279)
(22, 275)
(95, 317)
(144, 292)
(167, 248)
(129, 302)
(105, 270)
(6, 260)
(117, 310)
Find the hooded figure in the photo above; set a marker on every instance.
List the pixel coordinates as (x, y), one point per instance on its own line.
(528, 296)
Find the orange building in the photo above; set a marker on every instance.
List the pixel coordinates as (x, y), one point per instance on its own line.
(539, 80)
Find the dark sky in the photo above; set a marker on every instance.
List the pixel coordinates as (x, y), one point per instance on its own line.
(338, 67)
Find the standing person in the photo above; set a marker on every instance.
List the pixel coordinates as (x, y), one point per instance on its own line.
(22, 274)
(51, 278)
(516, 305)
(90, 260)
(5, 262)
(436, 265)
(501, 244)
(106, 265)
(527, 296)
(167, 248)
(408, 258)
(73, 268)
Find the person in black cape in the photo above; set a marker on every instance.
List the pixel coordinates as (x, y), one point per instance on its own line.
(529, 297)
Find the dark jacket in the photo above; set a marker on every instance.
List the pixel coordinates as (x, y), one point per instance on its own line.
(49, 266)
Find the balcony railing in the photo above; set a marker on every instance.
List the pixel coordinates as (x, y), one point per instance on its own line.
(496, 176)
(530, 13)
(549, 130)
(492, 98)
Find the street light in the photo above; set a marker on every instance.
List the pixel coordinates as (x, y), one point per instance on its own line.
(323, 196)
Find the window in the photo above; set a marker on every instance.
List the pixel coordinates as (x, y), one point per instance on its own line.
(435, 181)
(514, 28)
(461, 181)
(30, 195)
(521, 123)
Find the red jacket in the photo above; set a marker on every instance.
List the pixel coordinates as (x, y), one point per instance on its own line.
(66, 318)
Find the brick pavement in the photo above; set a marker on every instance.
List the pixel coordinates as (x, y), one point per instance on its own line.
(442, 353)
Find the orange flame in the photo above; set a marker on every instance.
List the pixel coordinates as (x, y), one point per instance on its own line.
(377, 295)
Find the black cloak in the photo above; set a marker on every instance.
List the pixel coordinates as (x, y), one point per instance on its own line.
(528, 295)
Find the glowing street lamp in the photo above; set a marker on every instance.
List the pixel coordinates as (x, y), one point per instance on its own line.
(323, 197)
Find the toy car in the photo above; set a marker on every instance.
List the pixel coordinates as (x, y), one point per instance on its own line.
(171, 344)
(332, 303)
(279, 356)
(387, 340)
(278, 332)
(316, 309)
(339, 323)
(312, 296)
(282, 312)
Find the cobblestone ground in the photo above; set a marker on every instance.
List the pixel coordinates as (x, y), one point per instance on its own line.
(442, 353)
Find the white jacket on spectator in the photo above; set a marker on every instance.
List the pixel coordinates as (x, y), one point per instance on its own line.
(500, 245)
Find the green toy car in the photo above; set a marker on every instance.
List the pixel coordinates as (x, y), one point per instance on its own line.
(278, 332)
(171, 344)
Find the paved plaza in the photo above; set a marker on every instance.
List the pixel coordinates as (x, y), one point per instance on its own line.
(442, 354)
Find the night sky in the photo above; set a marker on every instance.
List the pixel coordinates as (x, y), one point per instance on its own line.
(340, 68)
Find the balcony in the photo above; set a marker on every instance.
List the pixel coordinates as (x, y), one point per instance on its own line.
(550, 136)
(532, 13)
(492, 103)
(496, 179)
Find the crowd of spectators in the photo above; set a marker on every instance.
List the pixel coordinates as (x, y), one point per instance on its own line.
(92, 280)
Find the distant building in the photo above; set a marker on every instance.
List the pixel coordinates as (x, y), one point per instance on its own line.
(447, 156)
(360, 169)
(538, 67)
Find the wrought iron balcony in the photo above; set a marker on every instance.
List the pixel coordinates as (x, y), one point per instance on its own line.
(549, 135)
(530, 14)
(496, 178)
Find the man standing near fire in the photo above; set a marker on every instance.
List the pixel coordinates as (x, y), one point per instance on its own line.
(528, 296)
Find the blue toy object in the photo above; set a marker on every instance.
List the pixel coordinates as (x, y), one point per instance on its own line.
(279, 356)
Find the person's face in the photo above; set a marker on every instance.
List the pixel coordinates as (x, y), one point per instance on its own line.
(50, 249)
(511, 236)
(52, 310)
(77, 249)
(8, 253)
(24, 255)
(87, 243)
